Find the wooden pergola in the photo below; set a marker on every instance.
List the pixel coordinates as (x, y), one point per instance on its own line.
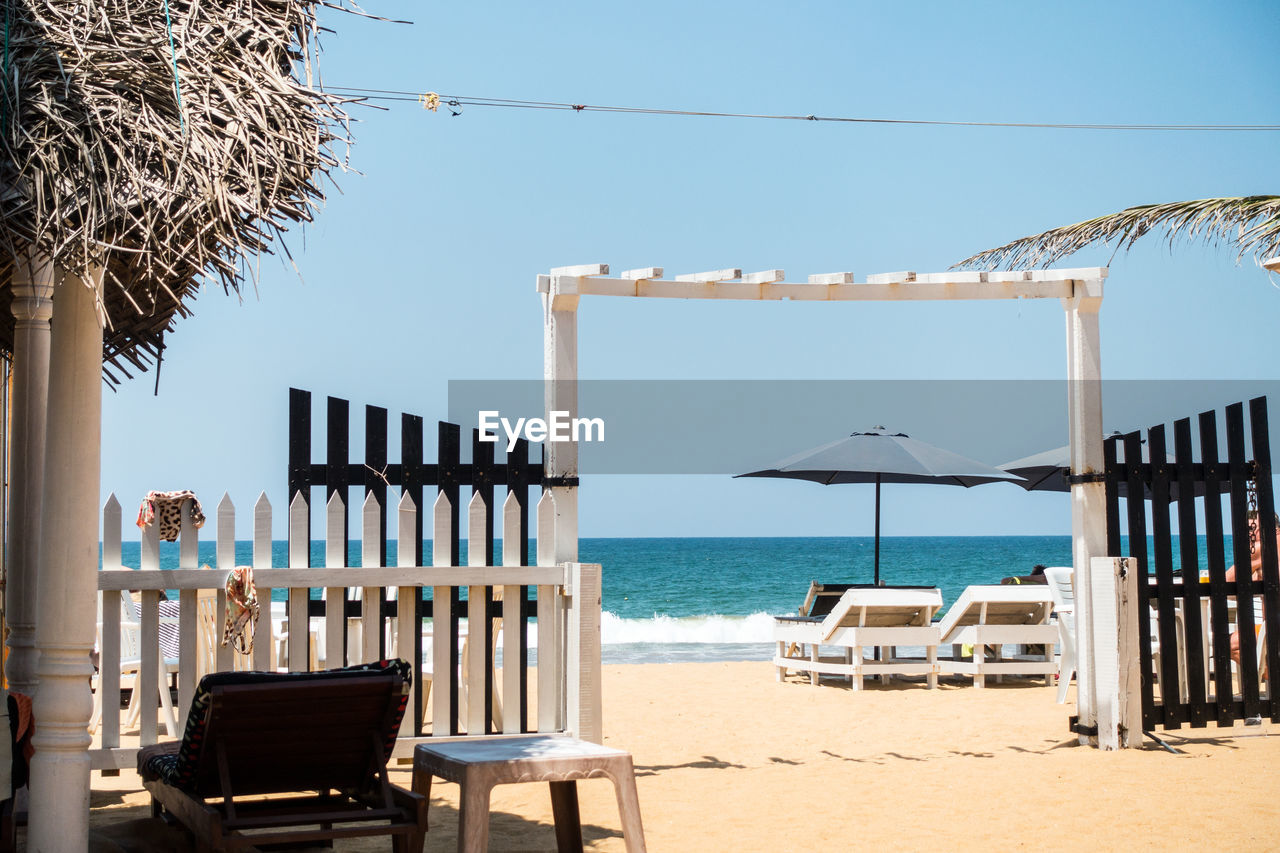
(1106, 695)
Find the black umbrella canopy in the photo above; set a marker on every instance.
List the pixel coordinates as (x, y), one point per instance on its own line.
(878, 456)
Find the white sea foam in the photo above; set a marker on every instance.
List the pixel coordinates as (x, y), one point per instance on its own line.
(756, 628)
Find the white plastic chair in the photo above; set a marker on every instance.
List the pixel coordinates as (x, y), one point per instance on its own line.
(130, 663)
(1064, 604)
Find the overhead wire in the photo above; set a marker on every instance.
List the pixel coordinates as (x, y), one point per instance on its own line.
(457, 101)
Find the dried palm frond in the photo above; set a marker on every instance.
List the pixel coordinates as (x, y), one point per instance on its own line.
(173, 141)
(1251, 224)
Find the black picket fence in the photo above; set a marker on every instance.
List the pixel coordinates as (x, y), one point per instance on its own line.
(412, 475)
(1196, 611)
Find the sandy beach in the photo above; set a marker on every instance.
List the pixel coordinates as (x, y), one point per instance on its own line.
(727, 758)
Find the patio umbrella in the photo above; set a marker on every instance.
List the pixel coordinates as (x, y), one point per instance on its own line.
(1047, 471)
(877, 456)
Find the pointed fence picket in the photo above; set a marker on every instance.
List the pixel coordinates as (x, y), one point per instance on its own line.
(468, 697)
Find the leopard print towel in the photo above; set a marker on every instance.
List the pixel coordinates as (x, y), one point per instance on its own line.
(165, 508)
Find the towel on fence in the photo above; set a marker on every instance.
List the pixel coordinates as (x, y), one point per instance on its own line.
(242, 610)
(165, 508)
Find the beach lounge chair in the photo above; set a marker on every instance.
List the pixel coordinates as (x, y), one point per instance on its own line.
(875, 617)
(999, 616)
(251, 734)
(1064, 605)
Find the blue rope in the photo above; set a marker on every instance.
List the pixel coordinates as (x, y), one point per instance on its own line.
(177, 86)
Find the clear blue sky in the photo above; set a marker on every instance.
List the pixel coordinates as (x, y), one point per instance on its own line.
(422, 269)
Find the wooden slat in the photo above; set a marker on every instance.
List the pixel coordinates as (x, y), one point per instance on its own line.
(189, 623)
(372, 546)
(335, 597)
(479, 686)
(513, 622)
(112, 519)
(419, 576)
(891, 277)
(299, 555)
(581, 270)
(1170, 688)
(582, 654)
(518, 487)
(1112, 474)
(711, 275)
(550, 697)
(375, 479)
(300, 450)
(444, 716)
(109, 652)
(109, 668)
(337, 454)
(226, 558)
(264, 634)
(1239, 468)
(147, 682)
(408, 625)
(832, 278)
(1189, 560)
(482, 478)
(642, 273)
(1136, 505)
(1267, 539)
(412, 479)
(1214, 541)
(449, 482)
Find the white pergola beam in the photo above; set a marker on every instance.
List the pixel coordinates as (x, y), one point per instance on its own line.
(642, 274)
(832, 278)
(764, 277)
(941, 286)
(889, 277)
(712, 275)
(582, 270)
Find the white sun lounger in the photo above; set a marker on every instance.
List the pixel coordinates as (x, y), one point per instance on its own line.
(863, 618)
(999, 616)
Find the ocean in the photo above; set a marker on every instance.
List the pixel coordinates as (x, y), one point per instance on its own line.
(712, 599)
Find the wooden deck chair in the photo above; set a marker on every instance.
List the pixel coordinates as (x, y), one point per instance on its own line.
(864, 617)
(997, 616)
(323, 737)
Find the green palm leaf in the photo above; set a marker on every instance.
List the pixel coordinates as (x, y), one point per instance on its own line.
(1251, 224)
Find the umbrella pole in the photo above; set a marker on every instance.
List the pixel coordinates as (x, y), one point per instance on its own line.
(877, 529)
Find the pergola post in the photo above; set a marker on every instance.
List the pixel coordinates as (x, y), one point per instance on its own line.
(32, 306)
(67, 592)
(560, 374)
(1088, 496)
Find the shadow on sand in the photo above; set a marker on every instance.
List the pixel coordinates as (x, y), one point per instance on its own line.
(133, 830)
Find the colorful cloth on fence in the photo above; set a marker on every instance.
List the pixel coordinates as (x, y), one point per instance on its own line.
(242, 610)
(165, 509)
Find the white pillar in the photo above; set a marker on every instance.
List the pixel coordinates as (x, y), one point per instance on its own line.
(1088, 499)
(560, 372)
(66, 598)
(32, 306)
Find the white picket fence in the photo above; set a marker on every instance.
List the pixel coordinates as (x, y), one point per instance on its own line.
(568, 615)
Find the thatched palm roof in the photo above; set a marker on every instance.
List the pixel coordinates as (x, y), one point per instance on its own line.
(104, 159)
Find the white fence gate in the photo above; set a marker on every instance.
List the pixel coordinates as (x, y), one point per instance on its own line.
(568, 618)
